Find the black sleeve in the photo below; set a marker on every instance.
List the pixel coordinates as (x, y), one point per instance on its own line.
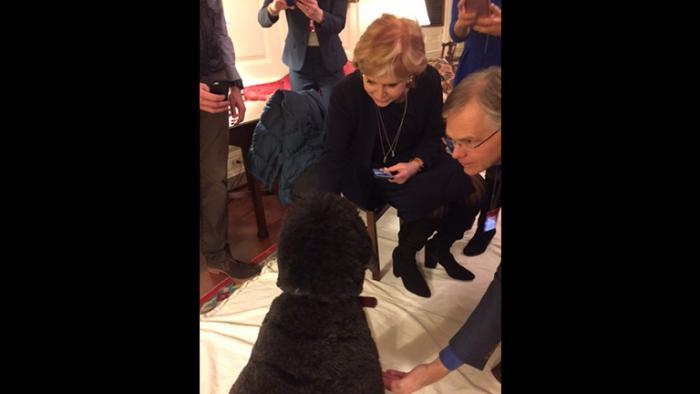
(480, 334)
(429, 146)
(341, 126)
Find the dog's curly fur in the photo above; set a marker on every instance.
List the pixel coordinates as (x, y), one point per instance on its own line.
(315, 338)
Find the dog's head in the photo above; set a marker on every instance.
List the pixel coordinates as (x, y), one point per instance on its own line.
(323, 248)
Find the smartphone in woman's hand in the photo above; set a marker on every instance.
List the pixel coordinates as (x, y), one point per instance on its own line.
(480, 6)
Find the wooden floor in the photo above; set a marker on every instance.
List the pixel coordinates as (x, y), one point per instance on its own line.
(243, 239)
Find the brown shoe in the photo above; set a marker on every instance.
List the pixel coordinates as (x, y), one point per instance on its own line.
(234, 268)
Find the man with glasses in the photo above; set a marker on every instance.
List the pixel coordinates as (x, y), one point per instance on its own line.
(474, 139)
(467, 143)
(466, 146)
(473, 114)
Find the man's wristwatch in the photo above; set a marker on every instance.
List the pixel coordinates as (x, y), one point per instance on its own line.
(237, 83)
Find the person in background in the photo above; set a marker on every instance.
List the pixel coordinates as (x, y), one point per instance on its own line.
(312, 50)
(217, 69)
(481, 36)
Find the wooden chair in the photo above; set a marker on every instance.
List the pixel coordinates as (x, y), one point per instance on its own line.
(373, 217)
(241, 136)
(448, 52)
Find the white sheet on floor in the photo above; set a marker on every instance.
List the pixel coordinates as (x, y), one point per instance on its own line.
(407, 329)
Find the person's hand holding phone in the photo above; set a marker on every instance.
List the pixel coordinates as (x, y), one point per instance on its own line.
(403, 171)
(381, 173)
(311, 9)
(277, 6)
(210, 102)
(490, 24)
(465, 19)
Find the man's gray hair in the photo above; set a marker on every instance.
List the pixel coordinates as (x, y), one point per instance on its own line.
(485, 86)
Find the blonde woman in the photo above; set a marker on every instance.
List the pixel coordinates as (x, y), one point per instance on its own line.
(383, 141)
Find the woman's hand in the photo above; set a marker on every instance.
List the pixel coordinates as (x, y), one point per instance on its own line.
(403, 171)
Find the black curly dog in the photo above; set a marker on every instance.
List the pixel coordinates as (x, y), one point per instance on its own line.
(315, 338)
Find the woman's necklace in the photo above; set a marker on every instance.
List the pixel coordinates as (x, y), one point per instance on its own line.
(384, 135)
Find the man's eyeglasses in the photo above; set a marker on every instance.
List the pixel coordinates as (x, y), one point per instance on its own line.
(467, 144)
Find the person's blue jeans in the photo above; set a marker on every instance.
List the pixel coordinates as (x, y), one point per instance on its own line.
(314, 75)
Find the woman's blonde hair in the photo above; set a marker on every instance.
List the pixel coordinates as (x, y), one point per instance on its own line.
(391, 46)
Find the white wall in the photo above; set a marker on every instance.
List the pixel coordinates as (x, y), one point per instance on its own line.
(259, 50)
